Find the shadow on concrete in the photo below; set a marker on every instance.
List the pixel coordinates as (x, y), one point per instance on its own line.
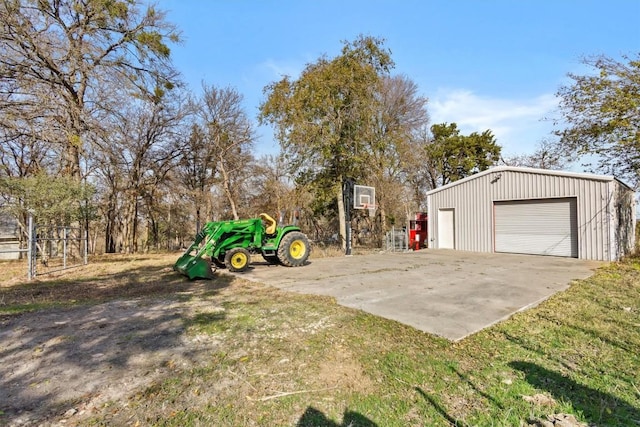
(597, 407)
(315, 418)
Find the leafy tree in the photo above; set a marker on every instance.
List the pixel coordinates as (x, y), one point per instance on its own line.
(323, 119)
(603, 114)
(57, 201)
(453, 156)
(62, 61)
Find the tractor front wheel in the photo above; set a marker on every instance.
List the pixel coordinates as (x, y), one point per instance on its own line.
(237, 259)
(294, 249)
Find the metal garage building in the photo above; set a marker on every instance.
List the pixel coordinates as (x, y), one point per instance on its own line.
(534, 211)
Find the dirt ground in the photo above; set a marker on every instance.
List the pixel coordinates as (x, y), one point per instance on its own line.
(58, 365)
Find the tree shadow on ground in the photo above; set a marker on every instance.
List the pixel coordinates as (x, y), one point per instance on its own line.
(595, 406)
(115, 334)
(315, 418)
(440, 409)
(138, 282)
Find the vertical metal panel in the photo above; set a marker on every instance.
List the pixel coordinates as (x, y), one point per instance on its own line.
(473, 218)
(537, 226)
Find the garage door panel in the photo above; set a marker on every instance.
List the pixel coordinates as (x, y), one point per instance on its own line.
(540, 227)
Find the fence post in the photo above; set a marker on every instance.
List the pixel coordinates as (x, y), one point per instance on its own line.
(64, 247)
(30, 246)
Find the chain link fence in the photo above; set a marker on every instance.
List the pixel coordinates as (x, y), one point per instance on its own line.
(397, 240)
(57, 248)
(49, 249)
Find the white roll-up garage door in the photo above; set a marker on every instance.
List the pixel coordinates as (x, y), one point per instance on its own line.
(539, 227)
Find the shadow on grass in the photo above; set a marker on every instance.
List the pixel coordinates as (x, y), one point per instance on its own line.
(534, 347)
(467, 379)
(135, 282)
(595, 334)
(595, 406)
(442, 411)
(109, 326)
(314, 418)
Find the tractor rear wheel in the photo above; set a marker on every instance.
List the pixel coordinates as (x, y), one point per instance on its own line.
(294, 249)
(237, 259)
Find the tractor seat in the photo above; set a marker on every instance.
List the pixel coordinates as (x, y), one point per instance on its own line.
(270, 227)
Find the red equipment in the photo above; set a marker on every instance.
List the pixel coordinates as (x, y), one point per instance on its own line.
(418, 231)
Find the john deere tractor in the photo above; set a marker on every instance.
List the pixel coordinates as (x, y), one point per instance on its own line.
(230, 244)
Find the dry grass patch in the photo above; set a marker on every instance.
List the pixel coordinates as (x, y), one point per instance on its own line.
(104, 278)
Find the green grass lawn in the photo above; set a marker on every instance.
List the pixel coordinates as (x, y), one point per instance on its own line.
(288, 359)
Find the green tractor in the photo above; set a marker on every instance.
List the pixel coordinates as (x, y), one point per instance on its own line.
(230, 244)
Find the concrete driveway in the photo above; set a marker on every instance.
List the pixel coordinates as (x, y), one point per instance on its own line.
(447, 293)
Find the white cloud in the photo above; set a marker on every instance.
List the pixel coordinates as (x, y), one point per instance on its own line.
(516, 123)
(279, 69)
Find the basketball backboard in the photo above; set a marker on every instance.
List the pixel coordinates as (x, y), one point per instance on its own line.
(364, 197)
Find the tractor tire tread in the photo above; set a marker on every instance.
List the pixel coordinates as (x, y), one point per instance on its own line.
(228, 259)
(284, 249)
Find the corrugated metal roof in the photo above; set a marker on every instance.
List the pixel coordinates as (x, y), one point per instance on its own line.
(499, 169)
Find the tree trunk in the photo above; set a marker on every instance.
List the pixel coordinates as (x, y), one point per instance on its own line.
(197, 216)
(109, 239)
(131, 225)
(341, 212)
(135, 227)
(226, 185)
(110, 229)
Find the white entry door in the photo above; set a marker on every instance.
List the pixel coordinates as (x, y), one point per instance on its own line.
(446, 229)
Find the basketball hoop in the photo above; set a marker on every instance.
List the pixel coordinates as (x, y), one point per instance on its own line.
(371, 208)
(364, 197)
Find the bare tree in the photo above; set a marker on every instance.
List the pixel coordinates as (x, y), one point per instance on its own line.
(196, 172)
(23, 156)
(230, 135)
(57, 57)
(135, 161)
(272, 190)
(546, 156)
(402, 112)
(417, 169)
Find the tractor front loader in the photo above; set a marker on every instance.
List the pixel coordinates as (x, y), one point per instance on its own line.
(230, 244)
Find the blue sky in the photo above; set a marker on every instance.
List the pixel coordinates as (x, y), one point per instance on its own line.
(491, 64)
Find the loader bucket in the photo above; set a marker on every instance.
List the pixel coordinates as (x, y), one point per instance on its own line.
(193, 267)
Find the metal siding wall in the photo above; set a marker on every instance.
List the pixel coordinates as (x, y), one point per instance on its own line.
(473, 214)
(473, 203)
